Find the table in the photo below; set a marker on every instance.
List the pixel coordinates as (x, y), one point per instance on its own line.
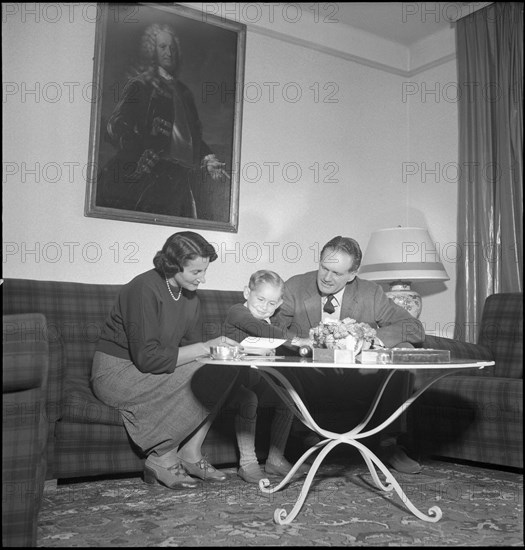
(267, 366)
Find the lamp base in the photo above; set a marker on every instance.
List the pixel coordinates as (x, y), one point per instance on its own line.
(401, 294)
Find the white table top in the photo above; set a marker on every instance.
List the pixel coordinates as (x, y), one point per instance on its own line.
(266, 361)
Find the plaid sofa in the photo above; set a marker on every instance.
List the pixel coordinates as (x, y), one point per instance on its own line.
(24, 426)
(86, 437)
(477, 415)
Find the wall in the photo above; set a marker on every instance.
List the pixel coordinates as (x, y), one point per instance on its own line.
(432, 176)
(361, 142)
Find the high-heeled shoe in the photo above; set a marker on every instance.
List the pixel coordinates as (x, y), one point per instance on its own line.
(203, 470)
(283, 467)
(173, 477)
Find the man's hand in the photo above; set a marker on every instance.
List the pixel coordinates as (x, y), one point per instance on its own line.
(147, 161)
(160, 127)
(215, 167)
(301, 342)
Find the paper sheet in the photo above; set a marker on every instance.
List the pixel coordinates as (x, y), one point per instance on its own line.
(257, 345)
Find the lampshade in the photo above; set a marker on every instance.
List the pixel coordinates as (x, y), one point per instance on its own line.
(402, 254)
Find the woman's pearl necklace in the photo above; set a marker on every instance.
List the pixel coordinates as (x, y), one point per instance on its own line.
(171, 293)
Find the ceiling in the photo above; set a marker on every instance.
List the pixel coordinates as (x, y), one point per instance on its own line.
(401, 22)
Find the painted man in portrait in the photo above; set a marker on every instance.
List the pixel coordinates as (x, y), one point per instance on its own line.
(161, 156)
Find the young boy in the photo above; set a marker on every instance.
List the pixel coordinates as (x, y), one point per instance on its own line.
(263, 296)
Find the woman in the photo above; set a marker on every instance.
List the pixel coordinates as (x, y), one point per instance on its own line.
(146, 364)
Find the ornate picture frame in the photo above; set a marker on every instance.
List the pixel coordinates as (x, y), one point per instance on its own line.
(166, 117)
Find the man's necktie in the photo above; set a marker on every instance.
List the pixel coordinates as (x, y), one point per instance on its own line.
(329, 306)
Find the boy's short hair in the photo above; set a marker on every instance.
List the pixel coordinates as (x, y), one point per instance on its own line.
(266, 276)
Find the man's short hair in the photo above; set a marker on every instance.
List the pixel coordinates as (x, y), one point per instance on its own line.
(348, 246)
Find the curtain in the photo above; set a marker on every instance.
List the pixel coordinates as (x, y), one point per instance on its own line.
(490, 197)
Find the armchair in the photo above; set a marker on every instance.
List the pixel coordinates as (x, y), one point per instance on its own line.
(477, 416)
(24, 426)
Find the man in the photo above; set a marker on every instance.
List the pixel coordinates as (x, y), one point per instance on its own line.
(335, 292)
(161, 156)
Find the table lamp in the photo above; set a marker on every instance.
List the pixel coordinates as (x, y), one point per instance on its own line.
(399, 256)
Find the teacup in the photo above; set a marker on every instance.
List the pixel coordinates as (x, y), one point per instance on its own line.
(225, 352)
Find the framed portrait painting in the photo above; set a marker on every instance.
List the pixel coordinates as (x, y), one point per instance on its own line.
(166, 117)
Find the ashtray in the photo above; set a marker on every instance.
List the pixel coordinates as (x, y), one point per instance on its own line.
(225, 352)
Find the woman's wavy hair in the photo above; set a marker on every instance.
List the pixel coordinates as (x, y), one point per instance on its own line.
(348, 246)
(179, 249)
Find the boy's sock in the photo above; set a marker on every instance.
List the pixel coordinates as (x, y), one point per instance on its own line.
(245, 432)
(280, 430)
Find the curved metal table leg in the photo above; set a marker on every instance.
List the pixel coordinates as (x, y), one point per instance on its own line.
(292, 399)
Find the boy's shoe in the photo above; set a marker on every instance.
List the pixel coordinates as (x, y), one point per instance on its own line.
(252, 473)
(283, 467)
(311, 439)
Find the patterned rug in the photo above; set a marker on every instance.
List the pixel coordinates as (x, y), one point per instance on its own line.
(481, 507)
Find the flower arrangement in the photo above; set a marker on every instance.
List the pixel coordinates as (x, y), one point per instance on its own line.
(345, 334)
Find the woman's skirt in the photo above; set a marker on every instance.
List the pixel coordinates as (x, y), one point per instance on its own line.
(160, 410)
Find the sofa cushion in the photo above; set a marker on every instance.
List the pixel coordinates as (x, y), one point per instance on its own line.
(215, 306)
(95, 449)
(81, 406)
(471, 418)
(75, 312)
(492, 398)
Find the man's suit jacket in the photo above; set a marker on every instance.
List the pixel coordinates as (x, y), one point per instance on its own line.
(364, 301)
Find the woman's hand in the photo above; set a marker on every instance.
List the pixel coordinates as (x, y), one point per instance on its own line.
(221, 341)
(199, 350)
